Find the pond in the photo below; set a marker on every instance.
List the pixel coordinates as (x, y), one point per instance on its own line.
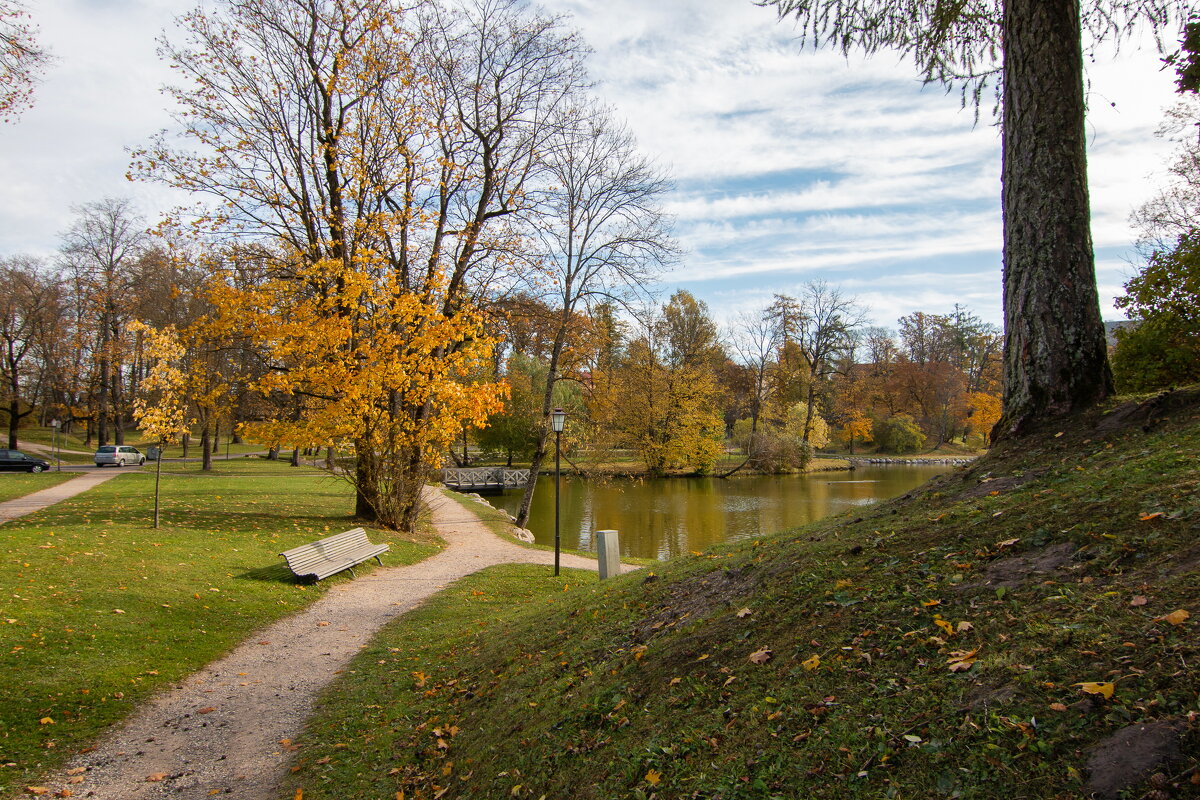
(665, 517)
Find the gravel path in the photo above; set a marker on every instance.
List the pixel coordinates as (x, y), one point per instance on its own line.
(219, 732)
(30, 503)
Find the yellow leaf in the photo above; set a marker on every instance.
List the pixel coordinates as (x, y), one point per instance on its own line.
(653, 777)
(961, 660)
(944, 625)
(811, 663)
(1177, 617)
(36, 789)
(46, 721)
(1148, 517)
(745, 612)
(1103, 688)
(931, 603)
(843, 583)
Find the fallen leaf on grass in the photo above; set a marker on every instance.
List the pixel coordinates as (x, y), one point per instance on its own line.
(944, 625)
(1148, 517)
(1102, 688)
(961, 660)
(1057, 707)
(760, 656)
(46, 721)
(1177, 617)
(811, 663)
(931, 603)
(745, 612)
(653, 777)
(1139, 600)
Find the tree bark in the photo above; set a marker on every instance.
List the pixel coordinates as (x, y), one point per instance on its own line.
(205, 449)
(1055, 359)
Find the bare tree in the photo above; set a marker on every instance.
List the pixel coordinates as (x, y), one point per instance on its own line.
(28, 299)
(101, 250)
(824, 323)
(600, 230)
(754, 340)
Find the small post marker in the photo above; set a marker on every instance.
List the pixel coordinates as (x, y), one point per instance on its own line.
(608, 545)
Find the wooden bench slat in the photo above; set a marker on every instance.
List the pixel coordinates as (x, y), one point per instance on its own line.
(333, 554)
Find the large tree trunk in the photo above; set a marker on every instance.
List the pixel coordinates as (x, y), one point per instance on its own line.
(1055, 360)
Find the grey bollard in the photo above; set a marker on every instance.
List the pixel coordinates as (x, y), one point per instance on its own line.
(608, 547)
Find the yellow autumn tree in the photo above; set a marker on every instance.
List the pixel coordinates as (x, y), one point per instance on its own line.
(376, 155)
(161, 407)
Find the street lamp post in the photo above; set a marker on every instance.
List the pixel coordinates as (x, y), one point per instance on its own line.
(57, 456)
(558, 419)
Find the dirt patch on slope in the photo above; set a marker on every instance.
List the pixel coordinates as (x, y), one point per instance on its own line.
(694, 598)
(1132, 755)
(1017, 570)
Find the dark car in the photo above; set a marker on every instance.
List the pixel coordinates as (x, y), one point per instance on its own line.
(15, 460)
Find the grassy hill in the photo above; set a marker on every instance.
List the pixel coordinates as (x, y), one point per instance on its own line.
(1022, 628)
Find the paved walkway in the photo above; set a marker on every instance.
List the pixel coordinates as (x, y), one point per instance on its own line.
(48, 497)
(219, 733)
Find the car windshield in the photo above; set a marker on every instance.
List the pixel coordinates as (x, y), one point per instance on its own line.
(108, 448)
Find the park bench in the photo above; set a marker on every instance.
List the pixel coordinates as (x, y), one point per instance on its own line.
(333, 554)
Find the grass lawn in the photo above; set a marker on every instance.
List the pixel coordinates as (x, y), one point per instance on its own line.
(19, 484)
(981, 637)
(98, 610)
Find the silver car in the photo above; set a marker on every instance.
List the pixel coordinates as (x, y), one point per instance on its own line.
(119, 455)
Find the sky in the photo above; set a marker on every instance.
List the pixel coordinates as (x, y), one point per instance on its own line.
(790, 166)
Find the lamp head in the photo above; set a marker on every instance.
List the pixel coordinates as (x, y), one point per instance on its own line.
(558, 419)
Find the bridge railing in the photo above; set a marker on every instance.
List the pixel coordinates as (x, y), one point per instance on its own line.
(485, 476)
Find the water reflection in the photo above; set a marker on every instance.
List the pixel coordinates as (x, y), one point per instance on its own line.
(671, 516)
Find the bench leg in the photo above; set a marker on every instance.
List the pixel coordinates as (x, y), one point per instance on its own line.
(351, 569)
(380, 560)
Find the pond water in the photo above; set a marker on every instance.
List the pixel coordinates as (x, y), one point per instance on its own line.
(665, 517)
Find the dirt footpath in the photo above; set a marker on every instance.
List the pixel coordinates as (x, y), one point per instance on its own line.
(219, 732)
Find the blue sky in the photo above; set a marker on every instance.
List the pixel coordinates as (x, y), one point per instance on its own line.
(789, 166)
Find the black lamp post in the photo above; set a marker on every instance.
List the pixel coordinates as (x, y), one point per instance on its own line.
(558, 418)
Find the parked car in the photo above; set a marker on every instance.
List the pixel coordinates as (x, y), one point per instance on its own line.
(119, 455)
(15, 460)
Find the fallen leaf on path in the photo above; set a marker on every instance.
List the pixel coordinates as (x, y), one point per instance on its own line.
(156, 777)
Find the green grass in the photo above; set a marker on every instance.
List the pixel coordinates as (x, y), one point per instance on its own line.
(19, 484)
(650, 685)
(98, 610)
